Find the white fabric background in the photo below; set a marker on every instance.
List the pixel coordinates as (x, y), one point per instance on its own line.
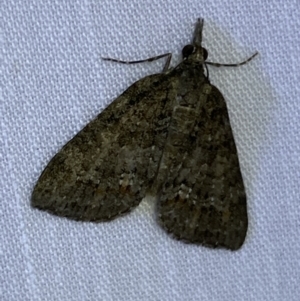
(53, 82)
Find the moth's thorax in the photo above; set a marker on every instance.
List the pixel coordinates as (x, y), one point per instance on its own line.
(190, 80)
(190, 68)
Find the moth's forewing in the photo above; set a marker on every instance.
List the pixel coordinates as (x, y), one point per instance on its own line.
(202, 199)
(107, 167)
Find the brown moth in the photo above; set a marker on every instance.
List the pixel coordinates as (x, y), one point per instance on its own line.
(168, 134)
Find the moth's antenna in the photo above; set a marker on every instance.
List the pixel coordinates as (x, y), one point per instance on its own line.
(150, 59)
(232, 65)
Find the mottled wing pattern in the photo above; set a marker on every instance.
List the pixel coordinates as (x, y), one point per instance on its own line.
(106, 168)
(202, 197)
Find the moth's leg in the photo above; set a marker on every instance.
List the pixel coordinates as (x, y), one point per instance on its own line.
(168, 61)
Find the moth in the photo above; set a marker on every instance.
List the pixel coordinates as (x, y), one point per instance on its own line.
(167, 135)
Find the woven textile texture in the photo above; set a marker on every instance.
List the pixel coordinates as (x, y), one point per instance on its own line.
(54, 82)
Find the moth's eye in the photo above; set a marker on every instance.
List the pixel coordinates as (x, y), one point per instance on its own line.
(205, 53)
(187, 51)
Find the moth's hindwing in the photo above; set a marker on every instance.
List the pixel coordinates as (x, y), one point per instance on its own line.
(201, 196)
(106, 168)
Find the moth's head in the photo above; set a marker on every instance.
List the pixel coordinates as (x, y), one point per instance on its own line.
(195, 50)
